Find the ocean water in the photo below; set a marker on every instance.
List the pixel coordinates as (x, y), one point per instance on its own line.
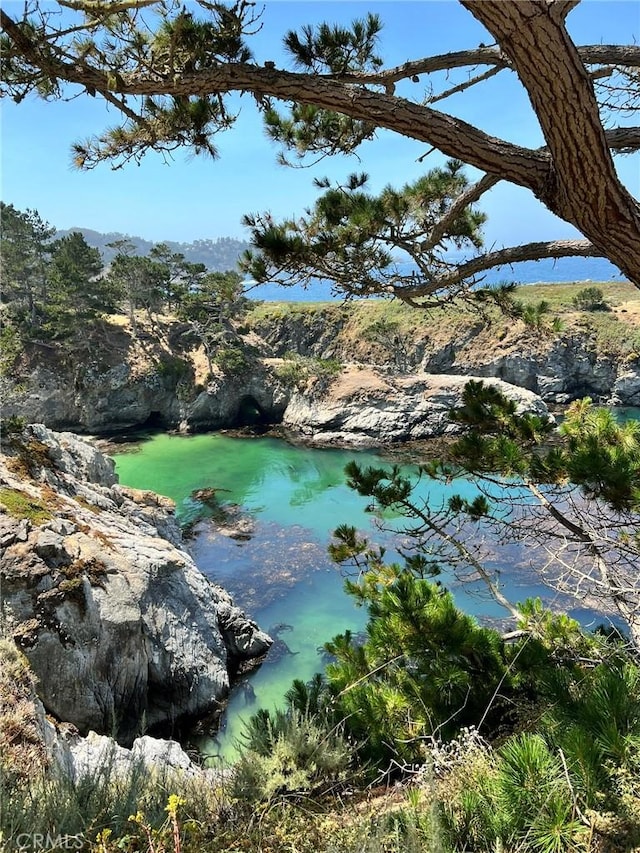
(527, 272)
(290, 499)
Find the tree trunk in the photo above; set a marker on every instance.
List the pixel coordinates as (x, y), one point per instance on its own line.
(582, 185)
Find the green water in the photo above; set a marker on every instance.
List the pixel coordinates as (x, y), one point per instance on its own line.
(280, 573)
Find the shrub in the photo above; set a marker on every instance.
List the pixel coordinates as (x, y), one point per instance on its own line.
(289, 752)
(12, 427)
(296, 370)
(590, 299)
(172, 368)
(232, 360)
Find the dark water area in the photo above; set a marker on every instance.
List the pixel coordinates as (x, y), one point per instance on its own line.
(269, 549)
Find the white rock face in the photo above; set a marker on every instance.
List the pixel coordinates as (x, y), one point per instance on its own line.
(365, 408)
(116, 620)
(94, 754)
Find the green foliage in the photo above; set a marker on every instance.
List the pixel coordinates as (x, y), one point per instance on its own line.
(183, 44)
(25, 242)
(571, 785)
(214, 299)
(334, 49)
(140, 282)
(21, 505)
(12, 428)
(602, 455)
(349, 235)
(595, 721)
(590, 299)
(173, 369)
(532, 315)
(326, 49)
(99, 803)
(78, 292)
(289, 752)
(296, 371)
(424, 667)
(596, 452)
(521, 800)
(52, 289)
(11, 347)
(232, 360)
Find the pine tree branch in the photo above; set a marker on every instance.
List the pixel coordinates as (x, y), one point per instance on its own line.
(470, 195)
(599, 54)
(502, 257)
(106, 7)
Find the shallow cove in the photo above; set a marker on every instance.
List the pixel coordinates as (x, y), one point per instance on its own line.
(279, 571)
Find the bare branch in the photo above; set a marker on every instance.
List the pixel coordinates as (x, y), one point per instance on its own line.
(501, 257)
(455, 90)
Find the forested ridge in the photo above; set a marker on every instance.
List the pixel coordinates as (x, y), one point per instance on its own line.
(218, 255)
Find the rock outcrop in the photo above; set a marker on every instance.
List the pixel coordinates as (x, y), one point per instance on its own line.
(254, 397)
(366, 408)
(558, 366)
(79, 757)
(116, 621)
(118, 399)
(162, 378)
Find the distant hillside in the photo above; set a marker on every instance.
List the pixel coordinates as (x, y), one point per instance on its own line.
(217, 255)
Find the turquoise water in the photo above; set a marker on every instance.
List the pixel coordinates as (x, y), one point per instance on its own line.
(291, 500)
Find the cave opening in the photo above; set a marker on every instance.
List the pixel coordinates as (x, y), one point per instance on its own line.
(156, 420)
(251, 413)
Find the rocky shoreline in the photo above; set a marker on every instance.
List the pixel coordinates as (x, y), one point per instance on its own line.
(128, 383)
(120, 629)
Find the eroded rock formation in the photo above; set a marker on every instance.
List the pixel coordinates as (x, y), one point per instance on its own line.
(116, 621)
(366, 408)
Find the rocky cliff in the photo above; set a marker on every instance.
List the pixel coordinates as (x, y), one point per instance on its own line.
(161, 378)
(364, 407)
(576, 361)
(120, 628)
(132, 389)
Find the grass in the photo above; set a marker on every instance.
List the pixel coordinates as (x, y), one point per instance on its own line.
(21, 505)
(22, 752)
(615, 333)
(560, 296)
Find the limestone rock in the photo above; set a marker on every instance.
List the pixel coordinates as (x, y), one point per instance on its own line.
(366, 408)
(109, 608)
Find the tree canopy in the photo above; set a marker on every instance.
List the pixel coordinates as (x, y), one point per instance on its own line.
(167, 69)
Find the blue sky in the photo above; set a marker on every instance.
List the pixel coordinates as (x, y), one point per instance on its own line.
(193, 198)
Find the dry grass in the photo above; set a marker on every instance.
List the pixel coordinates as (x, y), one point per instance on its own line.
(22, 751)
